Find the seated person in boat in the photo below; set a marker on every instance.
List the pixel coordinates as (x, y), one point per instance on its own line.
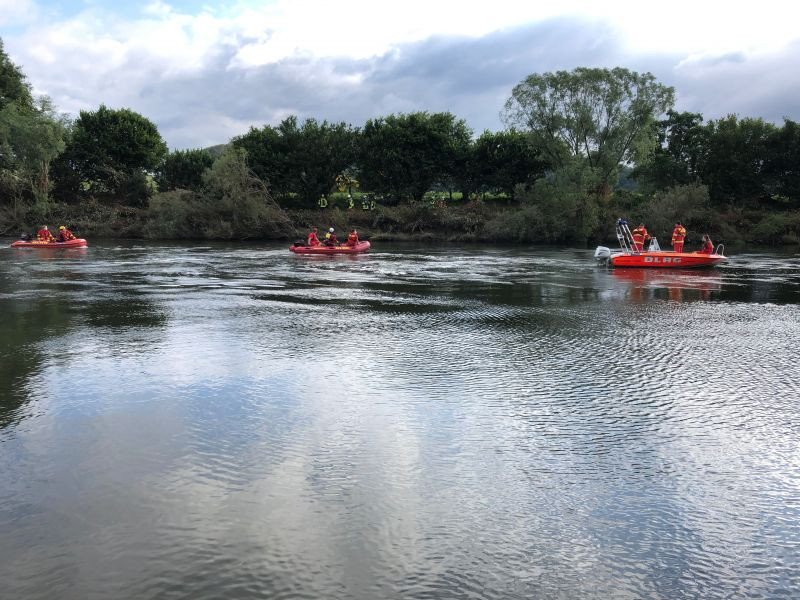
(678, 235)
(64, 234)
(640, 235)
(44, 235)
(708, 247)
(330, 238)
(313, 240)
(352, 239)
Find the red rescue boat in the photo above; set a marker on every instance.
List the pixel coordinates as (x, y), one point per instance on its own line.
(654, 256)
(76, 243)
(357, 249)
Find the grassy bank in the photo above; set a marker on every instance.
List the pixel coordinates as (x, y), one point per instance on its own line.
(555, 221)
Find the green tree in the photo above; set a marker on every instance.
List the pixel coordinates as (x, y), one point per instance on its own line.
(403, 155)
(299, 158)
(603, 116)
(507, 159)
(111, 152)
(733, 164)
(317, 153)
(13, 85)
(682, 145)
(183, 169)
(29, 140)
(782, 167)
(267, 154)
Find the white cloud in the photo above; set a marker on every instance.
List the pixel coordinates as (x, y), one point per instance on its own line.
(190, 72)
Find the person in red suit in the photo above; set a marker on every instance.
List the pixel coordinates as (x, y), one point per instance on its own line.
(678, 235)
(708, 247)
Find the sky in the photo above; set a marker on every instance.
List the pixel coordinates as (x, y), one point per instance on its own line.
(207, 71)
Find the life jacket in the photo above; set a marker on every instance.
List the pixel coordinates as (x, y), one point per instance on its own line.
(323, 202)
(678, 235)
(350, 203)
(44, 235)
(708, 247)
(352, 239)
(640, 235)
(313, 240)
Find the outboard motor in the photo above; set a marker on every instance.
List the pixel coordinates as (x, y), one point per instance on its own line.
(602, 255)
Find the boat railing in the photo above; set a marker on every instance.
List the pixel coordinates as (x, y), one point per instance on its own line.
(720, 250)
(625, 237)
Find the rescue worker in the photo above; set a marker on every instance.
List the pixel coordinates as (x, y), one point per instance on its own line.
(330, 238)
(708, 247)
(640, 235)
(323, 201)
(364, 202)
(64, 234)
(350, 203)
(678, 235)
(352, 239)
(44, 235)
(313, 240)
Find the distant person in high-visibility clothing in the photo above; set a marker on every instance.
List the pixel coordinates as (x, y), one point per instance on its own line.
(678, 235)
(640, 235)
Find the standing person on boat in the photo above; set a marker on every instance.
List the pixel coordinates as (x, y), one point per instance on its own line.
(678, 235)
(64, 234)
(330, 238)
(352, 239)
(708, 247)
(640, 235)
(313, 240)
(44, 235)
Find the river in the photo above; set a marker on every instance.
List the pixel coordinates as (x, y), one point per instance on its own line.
(234, 421)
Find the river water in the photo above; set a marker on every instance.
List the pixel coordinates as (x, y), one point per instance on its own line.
(234, 421)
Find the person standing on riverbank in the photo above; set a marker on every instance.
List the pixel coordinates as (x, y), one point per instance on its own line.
(678, 235)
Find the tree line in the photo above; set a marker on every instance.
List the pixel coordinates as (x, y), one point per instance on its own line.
(580, 147)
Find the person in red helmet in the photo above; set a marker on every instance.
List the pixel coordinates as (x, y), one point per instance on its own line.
(44, 235)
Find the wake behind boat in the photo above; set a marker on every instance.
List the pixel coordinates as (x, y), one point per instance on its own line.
(654, 256)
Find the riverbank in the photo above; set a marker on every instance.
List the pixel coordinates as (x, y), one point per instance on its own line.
(475, 221)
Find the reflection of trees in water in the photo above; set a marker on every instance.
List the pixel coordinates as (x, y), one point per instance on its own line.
(28, 324)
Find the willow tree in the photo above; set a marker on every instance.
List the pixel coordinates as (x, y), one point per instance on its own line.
(603, 117)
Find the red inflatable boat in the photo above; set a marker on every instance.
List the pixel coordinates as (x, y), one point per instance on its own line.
(654, 256)
(357, 249)
(76, 243)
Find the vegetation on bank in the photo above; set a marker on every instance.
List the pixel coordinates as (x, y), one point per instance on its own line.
(582, 148)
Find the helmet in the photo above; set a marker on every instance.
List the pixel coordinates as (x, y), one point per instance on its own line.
(62, 227)
(331, 229)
